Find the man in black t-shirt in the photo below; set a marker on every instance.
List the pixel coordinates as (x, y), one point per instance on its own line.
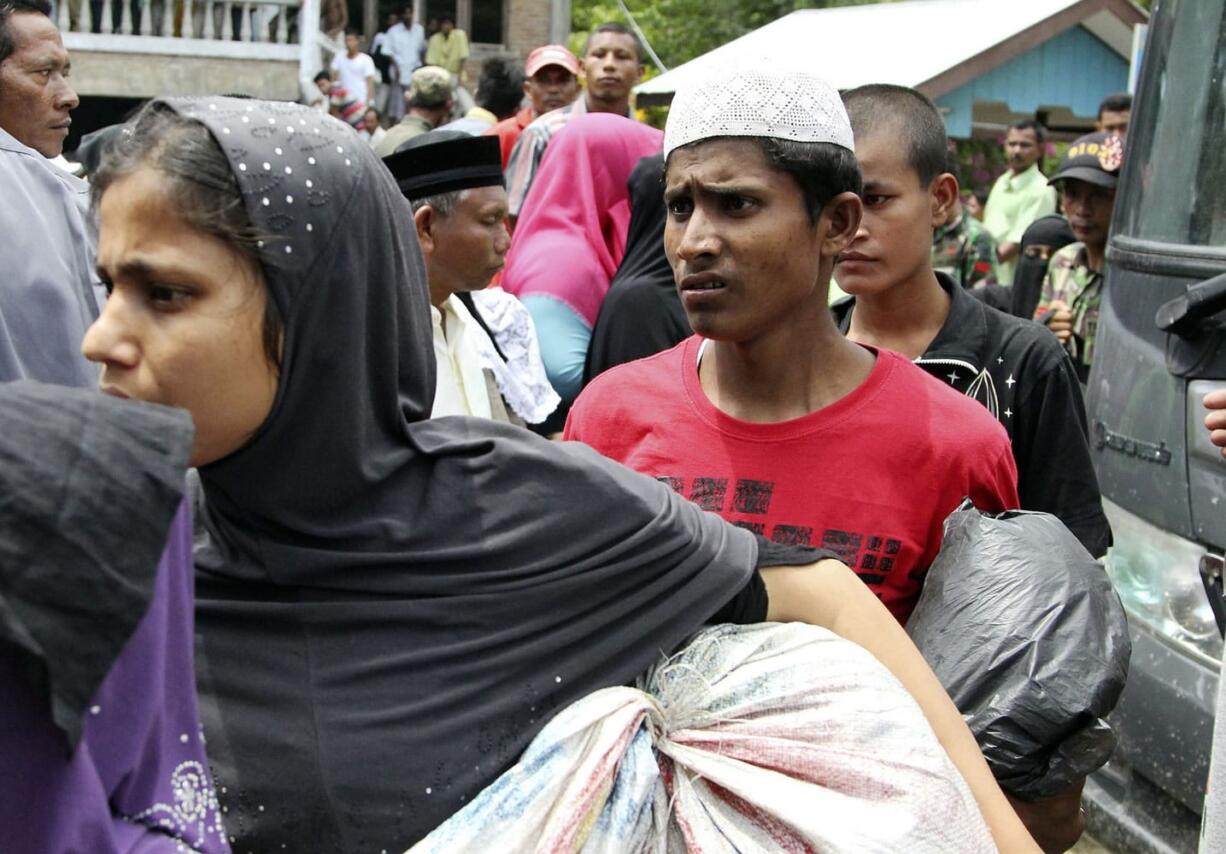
(1012, 366)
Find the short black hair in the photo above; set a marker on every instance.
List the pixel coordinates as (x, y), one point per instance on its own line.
(953, 163)
(622, 30)
(822, 170)
(501, 89)
(1121, 102)
(353, 31)
(8, 8)
(323, 75)
(911, 117)
(1040, 132)
(446, 19)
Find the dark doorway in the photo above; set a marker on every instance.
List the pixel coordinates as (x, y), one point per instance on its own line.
(487, 22)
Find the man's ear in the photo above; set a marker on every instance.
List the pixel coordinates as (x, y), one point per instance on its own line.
(839, 222)
(527, 88)
(423, 218)
(944, 193)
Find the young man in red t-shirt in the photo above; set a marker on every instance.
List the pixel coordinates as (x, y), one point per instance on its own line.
(769, 416)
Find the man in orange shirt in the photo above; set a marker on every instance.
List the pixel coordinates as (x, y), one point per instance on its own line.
(551, 82)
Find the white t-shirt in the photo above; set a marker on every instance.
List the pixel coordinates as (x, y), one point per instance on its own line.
(353, 73)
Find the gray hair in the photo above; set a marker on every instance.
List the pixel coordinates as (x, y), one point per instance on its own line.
(443, 203)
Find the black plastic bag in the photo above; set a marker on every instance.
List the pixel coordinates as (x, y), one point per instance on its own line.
(1028, 636)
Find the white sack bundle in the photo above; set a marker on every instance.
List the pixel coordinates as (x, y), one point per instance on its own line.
(771, 737)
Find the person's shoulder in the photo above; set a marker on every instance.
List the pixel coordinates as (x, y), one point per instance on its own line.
(642, 377)
(959, 423)
(39, 180)
(1065, 258)
(630, 298)
(498, 305)
(627, 395)
(507, 125)
(975, 229)
(547, 123)
(1028, 347)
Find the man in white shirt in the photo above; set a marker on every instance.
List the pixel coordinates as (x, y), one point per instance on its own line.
(406, 44)
(355, 70)
(485, 346)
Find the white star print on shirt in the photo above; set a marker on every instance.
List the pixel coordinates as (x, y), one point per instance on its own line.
(1009, 382)
(1008, 413)
(953, 377)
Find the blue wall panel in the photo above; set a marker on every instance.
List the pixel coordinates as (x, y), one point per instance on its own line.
(1073, 70)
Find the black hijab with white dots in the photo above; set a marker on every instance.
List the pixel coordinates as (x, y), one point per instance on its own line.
(390, 607)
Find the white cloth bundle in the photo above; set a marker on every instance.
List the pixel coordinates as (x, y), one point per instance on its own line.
(752, 738)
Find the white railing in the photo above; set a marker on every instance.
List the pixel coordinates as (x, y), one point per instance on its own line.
(268, 21)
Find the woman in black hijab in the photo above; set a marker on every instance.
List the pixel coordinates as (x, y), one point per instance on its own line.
(1040, 241)
(641, 315)
(390, 607)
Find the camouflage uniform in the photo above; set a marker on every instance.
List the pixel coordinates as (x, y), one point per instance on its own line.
(965, 251)
(1070, 280)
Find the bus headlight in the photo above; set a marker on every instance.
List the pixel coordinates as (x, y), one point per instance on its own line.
(1157, 575)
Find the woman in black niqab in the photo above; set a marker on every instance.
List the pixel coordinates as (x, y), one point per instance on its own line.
(641, 315)
(1040, 241)
(390, 607)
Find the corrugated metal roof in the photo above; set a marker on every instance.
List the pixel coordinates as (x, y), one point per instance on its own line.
(904, 43)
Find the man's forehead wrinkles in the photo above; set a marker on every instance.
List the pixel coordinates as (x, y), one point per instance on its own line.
(43, 54)
(695, 169)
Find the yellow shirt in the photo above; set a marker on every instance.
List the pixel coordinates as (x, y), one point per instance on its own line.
(448, 51)
(460, 385)
(1014, 203)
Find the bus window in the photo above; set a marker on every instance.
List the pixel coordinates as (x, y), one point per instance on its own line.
(1181, 146)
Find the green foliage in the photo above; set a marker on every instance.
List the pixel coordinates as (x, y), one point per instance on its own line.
(680, 30)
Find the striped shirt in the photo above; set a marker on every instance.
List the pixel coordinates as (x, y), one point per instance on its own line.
(530, 148)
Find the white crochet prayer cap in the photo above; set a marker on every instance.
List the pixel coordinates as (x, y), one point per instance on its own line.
(762, 98)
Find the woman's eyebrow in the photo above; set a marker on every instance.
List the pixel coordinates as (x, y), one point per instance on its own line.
(134, 269)
(141, 268)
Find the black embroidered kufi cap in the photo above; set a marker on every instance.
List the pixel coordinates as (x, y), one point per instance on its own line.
(445, 161)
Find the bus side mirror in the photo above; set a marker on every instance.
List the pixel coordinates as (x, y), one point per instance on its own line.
(1183, 315)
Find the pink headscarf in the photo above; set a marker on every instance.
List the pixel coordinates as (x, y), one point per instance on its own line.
(571, 233)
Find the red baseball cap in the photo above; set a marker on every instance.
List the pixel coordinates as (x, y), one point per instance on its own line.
(551, 54)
